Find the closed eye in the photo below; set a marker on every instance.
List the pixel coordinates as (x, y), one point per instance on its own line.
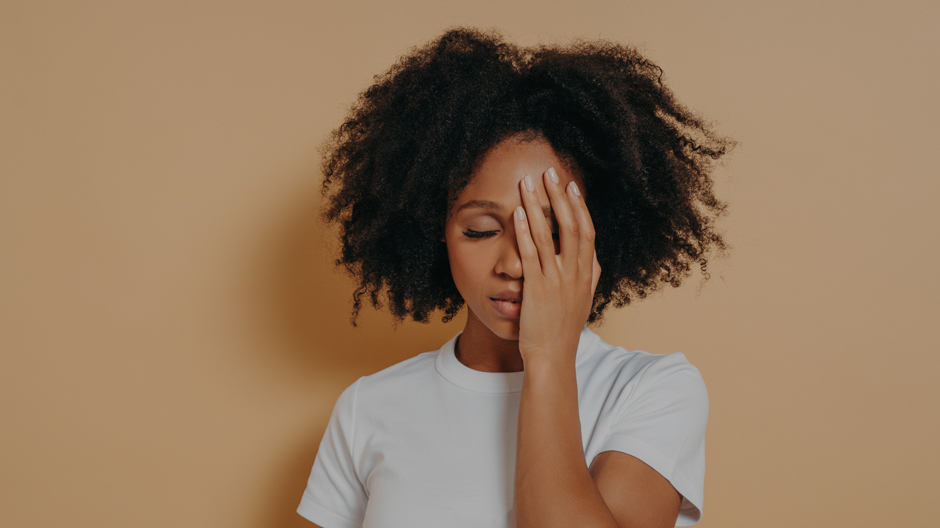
(486, 234)
(479, 234)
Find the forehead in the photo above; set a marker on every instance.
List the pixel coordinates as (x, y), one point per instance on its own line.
(497, 177)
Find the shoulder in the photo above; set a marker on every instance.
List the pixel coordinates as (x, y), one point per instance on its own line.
(402, 374)
(603, 362)
(390, 383)
(653, 407)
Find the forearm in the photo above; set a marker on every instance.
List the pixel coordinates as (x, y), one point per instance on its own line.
(553, 486)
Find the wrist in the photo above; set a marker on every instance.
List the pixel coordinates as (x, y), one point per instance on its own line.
(550, 360)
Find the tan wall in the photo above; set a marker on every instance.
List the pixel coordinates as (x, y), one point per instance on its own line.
(173, 336)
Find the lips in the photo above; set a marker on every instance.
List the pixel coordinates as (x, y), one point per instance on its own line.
(508, 304)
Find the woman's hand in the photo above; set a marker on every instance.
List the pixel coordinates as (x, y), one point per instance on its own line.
(557, 290)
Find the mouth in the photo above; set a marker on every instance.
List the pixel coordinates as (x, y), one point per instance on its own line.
(508, 305)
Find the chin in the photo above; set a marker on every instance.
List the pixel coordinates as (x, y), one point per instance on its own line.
(504, 329)
(498, 326)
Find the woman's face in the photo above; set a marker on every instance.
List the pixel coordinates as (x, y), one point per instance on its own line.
(480, 235)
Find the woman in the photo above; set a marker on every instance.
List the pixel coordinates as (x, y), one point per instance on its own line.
(476, 172)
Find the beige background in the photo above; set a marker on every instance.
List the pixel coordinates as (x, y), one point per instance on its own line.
(173, 335)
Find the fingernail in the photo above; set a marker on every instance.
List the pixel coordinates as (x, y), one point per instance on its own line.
(520, 212)
(528, 183)
(552, 175)
(574, 189)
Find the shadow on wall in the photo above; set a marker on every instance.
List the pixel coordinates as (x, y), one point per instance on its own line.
(310, 300)
(281, 509)
(303, 303)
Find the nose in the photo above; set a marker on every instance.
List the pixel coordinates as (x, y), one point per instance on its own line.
(509, 263)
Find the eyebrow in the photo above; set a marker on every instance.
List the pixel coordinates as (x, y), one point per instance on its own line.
(495, 207)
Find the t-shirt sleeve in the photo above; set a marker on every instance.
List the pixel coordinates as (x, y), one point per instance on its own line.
(662, 422)
(335, 497)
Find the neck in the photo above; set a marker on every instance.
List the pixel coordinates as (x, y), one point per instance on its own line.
(480, 349)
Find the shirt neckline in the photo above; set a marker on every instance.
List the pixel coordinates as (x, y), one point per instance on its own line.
(454, 371)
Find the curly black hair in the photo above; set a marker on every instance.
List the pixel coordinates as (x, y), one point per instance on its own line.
(411, 143)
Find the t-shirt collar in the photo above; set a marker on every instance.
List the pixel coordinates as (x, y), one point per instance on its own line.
(454, 371)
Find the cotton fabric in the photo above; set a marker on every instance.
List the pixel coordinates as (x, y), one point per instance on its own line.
(429, 442)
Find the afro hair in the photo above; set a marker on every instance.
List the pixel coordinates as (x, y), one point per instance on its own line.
(411, 143)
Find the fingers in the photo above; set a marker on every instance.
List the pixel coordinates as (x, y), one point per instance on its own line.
(575, 230)
(527, 250)
(568, 224)
(587, 256)
(541, 234)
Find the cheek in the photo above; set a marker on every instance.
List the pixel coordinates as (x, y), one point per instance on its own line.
(461, 264)
(468, 265)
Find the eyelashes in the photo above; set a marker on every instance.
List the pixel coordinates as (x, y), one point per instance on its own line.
(478, 234)
(469, 233)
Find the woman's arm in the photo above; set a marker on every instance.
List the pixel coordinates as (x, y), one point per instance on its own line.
(553, 485)
(636, 494)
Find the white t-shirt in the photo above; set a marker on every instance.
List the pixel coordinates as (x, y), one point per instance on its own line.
(429, 442)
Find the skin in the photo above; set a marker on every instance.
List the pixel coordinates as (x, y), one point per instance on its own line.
(539, 241)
